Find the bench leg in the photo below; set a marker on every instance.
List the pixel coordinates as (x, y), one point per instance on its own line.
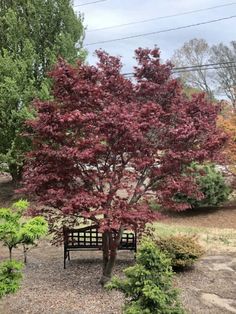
(68, 255)
(65, 256)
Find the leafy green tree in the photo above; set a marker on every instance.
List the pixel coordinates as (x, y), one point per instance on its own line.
(14, 230)
(148, 284)
(30, 232)
(33, 34)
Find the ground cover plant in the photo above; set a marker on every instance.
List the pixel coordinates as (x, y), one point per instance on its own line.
(106, 145)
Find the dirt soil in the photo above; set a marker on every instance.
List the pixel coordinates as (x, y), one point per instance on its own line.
(223, 217)
(210, 287)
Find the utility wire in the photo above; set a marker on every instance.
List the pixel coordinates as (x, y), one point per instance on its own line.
(204, 65)
(208, 66)
(186, 71)
(161, 31)
(161, 17)
(86, 3)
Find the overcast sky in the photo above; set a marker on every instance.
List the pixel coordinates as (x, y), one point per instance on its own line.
(113, 12)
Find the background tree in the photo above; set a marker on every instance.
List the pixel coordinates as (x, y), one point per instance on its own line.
(33, 34)
(194, 53)
(226, 74)
(105, 146)
(211, 183)
(228, 124)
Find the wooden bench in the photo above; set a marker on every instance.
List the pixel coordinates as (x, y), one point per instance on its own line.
(88, 238)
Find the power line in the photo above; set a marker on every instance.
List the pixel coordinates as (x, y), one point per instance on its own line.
(204, 65)
(208, 66)
(161, 31)
(186, 71)
(161, 17)
(86, 3)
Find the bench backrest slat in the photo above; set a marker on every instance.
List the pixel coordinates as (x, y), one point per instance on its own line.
(89, 237)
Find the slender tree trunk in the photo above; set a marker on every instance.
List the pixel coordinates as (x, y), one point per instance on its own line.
(105, 250)
(10, 253)
(110, 246)
(110, 265)
(25, 249)
(16, 173)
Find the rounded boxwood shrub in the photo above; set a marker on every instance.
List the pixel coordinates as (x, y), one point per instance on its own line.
(183, 250)
(211, 183)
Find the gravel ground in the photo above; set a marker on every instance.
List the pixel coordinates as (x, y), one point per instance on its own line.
(209, 288)
(48, 288)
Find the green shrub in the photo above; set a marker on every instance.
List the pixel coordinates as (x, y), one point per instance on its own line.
(148, 284)
(10, 277)
(183, 250)
(211, 183)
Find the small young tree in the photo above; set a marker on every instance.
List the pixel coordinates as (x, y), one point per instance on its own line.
(106, 145)
(30, 232)
(14, 230)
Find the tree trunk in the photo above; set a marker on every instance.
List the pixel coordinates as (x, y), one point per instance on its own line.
(25, 249)
(10, 253)
(110, 245)
(105, 251)
(16, 173)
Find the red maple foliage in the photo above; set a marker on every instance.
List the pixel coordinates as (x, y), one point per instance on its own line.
(106, 145)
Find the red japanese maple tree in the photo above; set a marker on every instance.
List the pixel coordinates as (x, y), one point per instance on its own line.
(106, 145)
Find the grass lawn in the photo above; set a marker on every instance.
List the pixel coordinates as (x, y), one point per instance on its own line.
(210, 238)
